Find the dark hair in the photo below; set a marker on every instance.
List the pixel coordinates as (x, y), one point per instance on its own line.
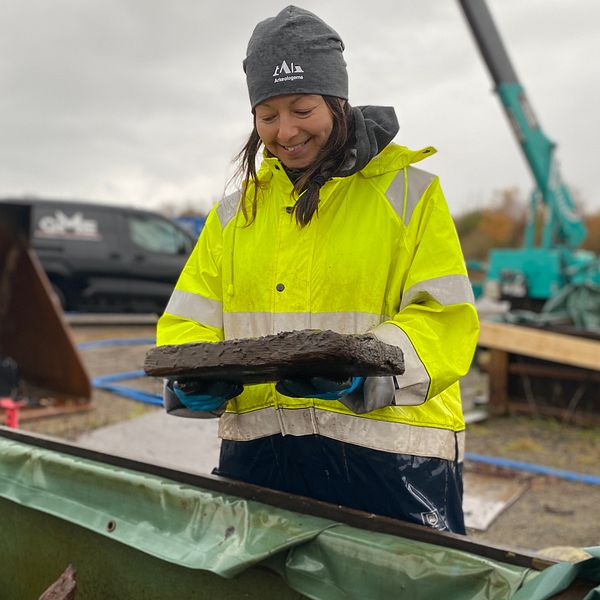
(334, 153)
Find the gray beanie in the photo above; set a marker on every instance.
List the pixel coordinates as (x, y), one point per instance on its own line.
(295, 52)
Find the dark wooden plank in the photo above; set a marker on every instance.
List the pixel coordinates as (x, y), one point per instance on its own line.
(586, 419)
(497, 369)
(549, 370)
(270, 358)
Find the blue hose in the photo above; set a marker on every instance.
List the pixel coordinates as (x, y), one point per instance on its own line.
(104, 379)
(107, 382)
(534, 468)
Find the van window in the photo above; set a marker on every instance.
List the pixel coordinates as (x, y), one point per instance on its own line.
(157, 235)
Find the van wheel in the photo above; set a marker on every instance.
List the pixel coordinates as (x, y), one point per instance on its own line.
(58, 297)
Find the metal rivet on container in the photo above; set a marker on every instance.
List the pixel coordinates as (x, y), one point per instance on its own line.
(111, 526)
(280, 287)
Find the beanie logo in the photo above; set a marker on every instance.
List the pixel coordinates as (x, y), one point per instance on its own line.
(283, 72)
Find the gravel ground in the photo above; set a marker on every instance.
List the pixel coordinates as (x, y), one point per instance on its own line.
(552, 512)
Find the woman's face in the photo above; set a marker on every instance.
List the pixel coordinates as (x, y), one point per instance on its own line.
(294, 128)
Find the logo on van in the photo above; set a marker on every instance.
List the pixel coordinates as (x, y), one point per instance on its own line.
(62, 226)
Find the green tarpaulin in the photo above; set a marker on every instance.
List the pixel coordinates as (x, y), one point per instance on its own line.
(198, 531)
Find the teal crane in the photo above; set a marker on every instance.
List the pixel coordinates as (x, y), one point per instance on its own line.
(546, 263)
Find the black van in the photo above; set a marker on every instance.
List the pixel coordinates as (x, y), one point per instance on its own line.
(105, 258)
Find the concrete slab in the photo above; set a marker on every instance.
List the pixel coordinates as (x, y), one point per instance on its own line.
(184, 444)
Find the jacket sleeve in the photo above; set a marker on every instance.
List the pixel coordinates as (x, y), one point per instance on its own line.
(436, 323)
(195, 310)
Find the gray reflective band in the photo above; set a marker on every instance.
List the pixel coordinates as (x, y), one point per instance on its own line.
(414, 383)
(188, 305)
(386, 436)
(395, 193)
(405, 195)
(447, 290)
(257, 324)
(418, 182)
(227, 207)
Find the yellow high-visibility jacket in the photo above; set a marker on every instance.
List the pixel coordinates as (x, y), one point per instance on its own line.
(381, 256)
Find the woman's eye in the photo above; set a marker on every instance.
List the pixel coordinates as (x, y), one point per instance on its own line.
(303, 113)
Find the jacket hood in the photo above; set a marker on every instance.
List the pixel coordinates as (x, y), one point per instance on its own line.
(374, 128)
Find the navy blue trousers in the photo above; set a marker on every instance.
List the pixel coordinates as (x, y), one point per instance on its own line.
(420, 490)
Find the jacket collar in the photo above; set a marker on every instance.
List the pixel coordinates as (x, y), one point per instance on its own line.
(394, 158)
(391, 158)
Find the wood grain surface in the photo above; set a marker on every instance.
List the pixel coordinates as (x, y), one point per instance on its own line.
(289, 354)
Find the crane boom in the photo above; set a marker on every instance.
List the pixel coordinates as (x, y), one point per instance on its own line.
(563, 225)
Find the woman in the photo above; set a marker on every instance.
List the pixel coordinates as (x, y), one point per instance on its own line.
(336, 230)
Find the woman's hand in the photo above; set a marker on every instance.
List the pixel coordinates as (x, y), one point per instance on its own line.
(361, 395)
(206, 395)
(322, 388)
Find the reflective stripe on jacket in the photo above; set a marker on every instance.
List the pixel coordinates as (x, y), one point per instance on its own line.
(382, 255)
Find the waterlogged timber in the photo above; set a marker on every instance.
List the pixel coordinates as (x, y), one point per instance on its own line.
(270, 358)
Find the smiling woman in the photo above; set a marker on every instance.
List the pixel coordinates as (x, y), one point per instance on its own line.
(308, 133)
(294, 128)
(336, 230)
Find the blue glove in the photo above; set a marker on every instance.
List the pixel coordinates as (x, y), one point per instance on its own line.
(206, 395)
(322, 388)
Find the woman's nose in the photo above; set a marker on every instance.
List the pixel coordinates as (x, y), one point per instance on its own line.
(287, 128)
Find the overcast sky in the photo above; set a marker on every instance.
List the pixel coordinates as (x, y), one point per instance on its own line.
(144, 102)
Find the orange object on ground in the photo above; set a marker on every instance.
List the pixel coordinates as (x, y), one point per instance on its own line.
(12, 411)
